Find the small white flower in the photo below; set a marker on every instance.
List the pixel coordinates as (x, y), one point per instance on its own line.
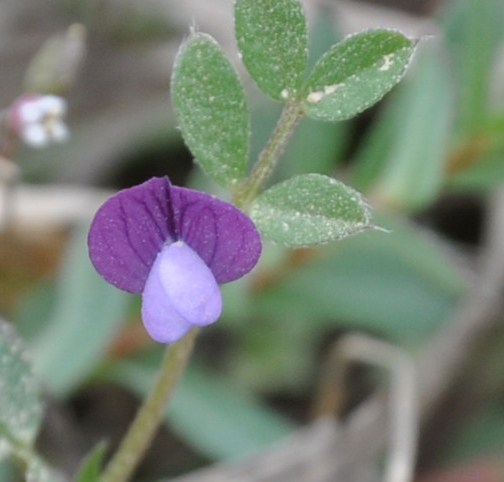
(39, 119)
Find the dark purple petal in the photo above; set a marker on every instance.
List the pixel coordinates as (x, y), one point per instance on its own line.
(180, 292)
(128, 232)
(131, 228)
(224, 237)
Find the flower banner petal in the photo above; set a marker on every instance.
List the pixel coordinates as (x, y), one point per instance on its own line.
(224, 237)
(128, 232)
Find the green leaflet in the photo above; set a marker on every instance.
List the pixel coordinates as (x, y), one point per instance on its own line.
(273, 41)
(356, 73)
(310, 209)
(210, 105)
(20, 409)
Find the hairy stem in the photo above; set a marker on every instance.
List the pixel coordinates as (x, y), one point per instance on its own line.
(149, 416)
(291, 115)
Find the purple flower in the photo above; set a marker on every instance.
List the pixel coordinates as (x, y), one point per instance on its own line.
(175, 246)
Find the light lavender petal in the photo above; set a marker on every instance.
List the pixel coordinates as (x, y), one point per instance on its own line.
(180, 292)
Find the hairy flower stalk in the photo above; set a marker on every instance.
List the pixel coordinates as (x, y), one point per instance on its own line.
(143, 428)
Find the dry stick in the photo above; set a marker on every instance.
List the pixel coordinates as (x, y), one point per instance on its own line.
(342, 452)
(440, 363)
(401, 393)
(402, 412)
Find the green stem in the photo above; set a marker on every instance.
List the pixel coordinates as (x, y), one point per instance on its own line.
(149, 416)
(289, 119)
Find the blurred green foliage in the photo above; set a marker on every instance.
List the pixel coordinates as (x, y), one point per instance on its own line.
(441, 131)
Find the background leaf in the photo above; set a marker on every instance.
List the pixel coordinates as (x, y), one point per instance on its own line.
(485, 174)
(91, 467)
(278, 356)
(39, 471)
(210, 105)
(480, 436)
(473, 33)
(56, 64)
(273, 41)
(409, 171)
(20, 409)
(399, 285)
(7, 469)
(86, 317)
(356, 73)
(310, 209)
(324, 34)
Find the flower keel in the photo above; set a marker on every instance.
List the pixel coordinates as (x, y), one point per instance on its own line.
(180, 292)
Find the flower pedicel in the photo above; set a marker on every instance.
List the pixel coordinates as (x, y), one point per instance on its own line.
(175, 246)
